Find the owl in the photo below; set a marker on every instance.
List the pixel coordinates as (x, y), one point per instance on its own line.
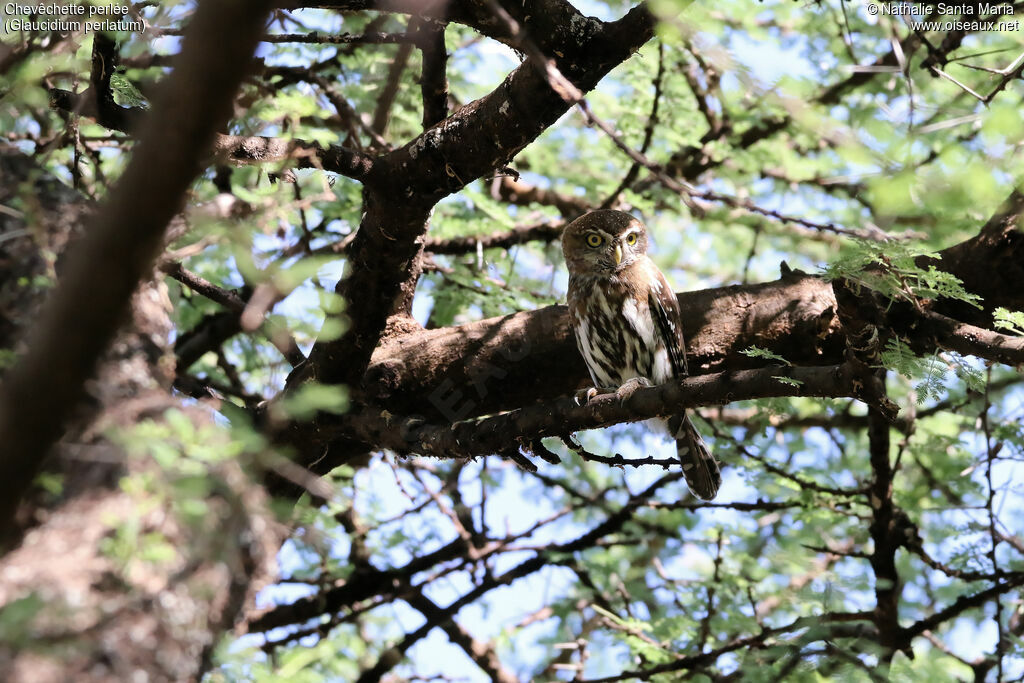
(626, 320)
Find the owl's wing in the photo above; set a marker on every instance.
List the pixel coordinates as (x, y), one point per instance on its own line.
(665, 310)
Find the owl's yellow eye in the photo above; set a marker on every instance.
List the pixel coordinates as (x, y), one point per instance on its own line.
(594, 240)
(631, 239)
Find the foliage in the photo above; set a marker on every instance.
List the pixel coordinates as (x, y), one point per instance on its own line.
(891, 268)
(931, 371)
(756, 352)
(1009, 320)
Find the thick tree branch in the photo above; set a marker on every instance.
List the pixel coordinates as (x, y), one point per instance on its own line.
(486, 134)
(990, 264)
(517, 192)
(503, 363)
(887, 527)
(969, 340)
(542, 18)
(104, 61)
(370, 38)
(86, 103)
(506, 434)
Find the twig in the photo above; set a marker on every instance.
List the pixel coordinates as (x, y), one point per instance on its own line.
(382, 112)
(652, 121)
(342, 39)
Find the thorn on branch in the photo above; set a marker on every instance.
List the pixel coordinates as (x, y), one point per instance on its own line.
(519, 459)
(537, 447)
(506, 171)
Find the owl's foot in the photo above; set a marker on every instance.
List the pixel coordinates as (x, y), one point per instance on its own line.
(585, 396)
(630, 387)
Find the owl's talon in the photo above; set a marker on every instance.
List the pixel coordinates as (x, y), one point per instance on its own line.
(627, 389)
(583, 396)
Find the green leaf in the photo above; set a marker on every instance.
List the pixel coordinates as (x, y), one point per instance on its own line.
(1012, 321)
(756, 352)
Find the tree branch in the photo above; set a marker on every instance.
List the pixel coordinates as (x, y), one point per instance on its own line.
(489, 582)
(887, 526)
(962, 604)
(507, 433)
(816, 627)
(433, 75)
(482, 653)
(541, 232)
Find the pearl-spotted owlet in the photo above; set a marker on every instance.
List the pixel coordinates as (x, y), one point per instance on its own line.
(626, 320)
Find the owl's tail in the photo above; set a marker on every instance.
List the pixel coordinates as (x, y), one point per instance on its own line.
(700, 468)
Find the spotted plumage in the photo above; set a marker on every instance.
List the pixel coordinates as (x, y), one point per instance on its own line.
(626, 320)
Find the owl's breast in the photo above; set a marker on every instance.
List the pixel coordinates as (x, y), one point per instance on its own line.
(616, 333)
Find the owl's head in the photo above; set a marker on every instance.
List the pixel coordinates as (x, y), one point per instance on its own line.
(603, 242)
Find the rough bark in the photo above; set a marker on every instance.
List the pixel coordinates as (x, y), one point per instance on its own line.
(507, 433)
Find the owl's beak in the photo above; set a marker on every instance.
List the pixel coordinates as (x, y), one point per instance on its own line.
(618, 254)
